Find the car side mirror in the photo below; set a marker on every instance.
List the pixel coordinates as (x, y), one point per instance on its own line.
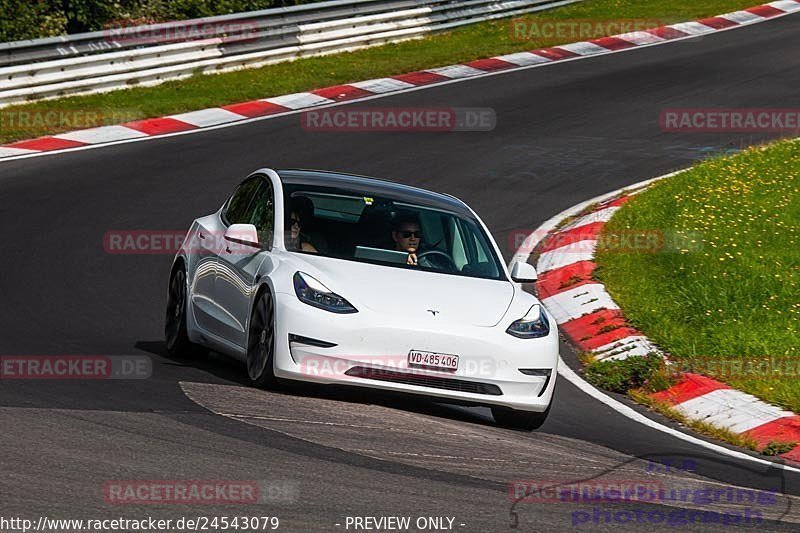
(244, 234)
(523, 273)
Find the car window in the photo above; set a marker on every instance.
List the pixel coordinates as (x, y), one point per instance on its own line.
(337, 206)
(458, 252)
(237, 210)
(481, 252)
(432, 228)
(262, 213)
(358, 226)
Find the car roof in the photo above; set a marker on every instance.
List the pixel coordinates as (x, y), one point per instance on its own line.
(377, 187)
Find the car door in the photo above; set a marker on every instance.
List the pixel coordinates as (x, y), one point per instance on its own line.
(239, 266)
(213, 317)
(204, 246)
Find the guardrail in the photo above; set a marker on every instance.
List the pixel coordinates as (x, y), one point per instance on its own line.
(148, 55)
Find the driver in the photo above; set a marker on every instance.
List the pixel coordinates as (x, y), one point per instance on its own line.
(301, 211)
(407, 236)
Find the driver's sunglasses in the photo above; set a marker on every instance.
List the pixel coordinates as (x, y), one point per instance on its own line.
(409, 234)
(293, 221)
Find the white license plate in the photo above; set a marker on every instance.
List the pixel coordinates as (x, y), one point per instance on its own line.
(440, 361)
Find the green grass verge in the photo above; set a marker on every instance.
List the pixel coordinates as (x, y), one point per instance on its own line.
(472, 42)
(633, 373)
(725, 302)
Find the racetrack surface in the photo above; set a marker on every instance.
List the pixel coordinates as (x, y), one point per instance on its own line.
(565, 133)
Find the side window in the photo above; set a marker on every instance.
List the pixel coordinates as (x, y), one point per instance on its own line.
(481, 250)
(432, 228)
(263, 213)
(458, 252)
(236, 212)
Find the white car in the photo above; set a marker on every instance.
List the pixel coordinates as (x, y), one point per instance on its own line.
(340, 279)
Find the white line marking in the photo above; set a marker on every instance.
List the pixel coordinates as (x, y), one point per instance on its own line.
(102, 135)
(565, 371)
(731, 409)
(639, 37)
(582, 300)
(524, 58)
(456, 71)
(742, 17)
(382, 85)
(787, 6)
(634, 345)
(566, 255)
(584, 48)
(603, 215)
(695, 28)
(5, 151)
(298, 100)
(208, 117)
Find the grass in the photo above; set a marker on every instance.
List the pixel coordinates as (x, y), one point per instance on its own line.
(472, 42)
(776, 447)
(724, 298)
(624, 375)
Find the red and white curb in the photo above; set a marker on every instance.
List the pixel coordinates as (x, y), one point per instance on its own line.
(594, 323)
(702, 398)
(281, 105)
(580, 305)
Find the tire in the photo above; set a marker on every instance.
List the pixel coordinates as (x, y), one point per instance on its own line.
(175, 332)
(521, 420)
(261, 343)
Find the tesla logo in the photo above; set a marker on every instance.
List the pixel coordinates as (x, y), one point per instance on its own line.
(433, 312)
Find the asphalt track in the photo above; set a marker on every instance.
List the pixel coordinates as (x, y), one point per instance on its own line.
(565, 133)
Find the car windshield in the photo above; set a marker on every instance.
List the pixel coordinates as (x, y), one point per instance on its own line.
(349, 225)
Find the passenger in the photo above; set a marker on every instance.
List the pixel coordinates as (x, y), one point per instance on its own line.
(407, 236)
(300, 211)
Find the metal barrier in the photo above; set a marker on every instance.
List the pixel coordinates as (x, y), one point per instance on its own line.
(148, 55)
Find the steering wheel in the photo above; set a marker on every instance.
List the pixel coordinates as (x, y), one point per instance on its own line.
(436, 259)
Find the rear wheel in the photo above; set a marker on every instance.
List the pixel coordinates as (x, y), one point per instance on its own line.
(516, 419)
(261, 343)
(175, 332)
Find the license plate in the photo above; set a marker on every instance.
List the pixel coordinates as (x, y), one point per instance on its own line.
(441, 361)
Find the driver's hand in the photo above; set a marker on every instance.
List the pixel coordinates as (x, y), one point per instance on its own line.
(412, 259)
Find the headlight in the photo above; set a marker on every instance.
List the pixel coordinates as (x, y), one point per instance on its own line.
(534, 324)
(314, 293)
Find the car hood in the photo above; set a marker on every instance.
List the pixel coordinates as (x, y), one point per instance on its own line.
(414, 293)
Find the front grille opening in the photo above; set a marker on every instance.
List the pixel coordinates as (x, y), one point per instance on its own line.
(423, 380)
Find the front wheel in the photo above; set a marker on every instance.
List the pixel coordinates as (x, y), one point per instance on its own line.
(516, 419)
(261, 343)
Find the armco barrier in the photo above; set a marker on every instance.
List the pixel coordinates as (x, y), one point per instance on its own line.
(147, 55)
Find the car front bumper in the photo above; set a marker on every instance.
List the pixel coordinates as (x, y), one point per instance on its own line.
(371, 350)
